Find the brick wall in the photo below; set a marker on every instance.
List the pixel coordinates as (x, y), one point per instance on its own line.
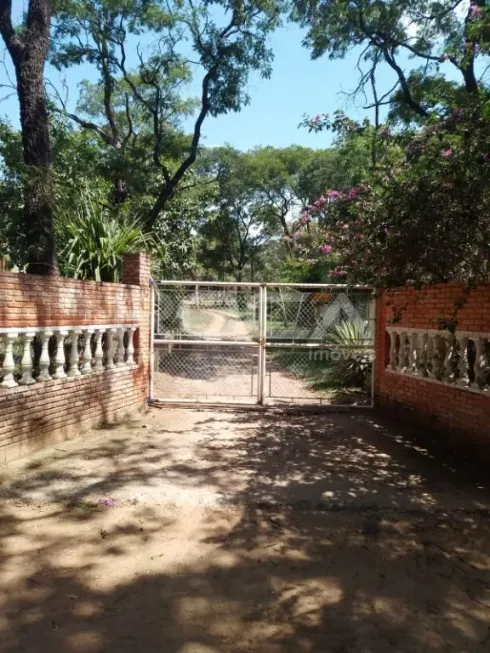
(460, 415)
(34, 416)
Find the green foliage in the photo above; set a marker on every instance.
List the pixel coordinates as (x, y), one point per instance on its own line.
(91, 240)
(422, 215)
(137, 105)
(441, 39)
(240, 225)
(354, 341)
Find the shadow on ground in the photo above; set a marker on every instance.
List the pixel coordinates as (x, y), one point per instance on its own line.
(182, 534)
(205, 457)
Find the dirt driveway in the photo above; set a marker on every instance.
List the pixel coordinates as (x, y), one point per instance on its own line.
(227, 532)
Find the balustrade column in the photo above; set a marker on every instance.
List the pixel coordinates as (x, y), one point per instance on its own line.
(431, 354)
(479, 362)
(417, 354)
(448, 365)
(9, 363)
(44, 361)
(424, 355)
(413, 359)
(120, 347)
(26, 363)
(130, 350)
(462, 379)
(87, 352)
(99, 352)
(110, 349)
(60, 354)
(402, 355)
(74, 358)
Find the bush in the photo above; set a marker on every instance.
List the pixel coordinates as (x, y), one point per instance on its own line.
(92, 240)
(354, 339)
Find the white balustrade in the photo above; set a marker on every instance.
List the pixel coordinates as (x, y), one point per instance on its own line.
(109, 363)
(74, 357)
(37, 354)
(9, 362)
(462, 378)
(120, 347)
(44, 360)
(27, 360)
(59, 359)
(130, 349)
(99, 352)
(87, 351)
(461, 359)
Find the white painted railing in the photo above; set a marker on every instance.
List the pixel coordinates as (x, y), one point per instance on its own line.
(37, 354)
(461, 359)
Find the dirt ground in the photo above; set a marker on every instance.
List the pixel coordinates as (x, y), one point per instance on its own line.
(206, 531)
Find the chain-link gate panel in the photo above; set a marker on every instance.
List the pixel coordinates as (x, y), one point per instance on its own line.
(208, 313)
(206, 342)
(262, 343)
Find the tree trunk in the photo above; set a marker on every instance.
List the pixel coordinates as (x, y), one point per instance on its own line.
(29, 52)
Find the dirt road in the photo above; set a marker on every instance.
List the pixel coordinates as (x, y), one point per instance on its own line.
(236, 532)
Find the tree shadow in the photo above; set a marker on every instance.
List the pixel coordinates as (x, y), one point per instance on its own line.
(220, 539)
(236, 582)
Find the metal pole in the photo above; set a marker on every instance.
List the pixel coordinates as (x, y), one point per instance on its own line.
(152, 337)
(262, 341)
(260, 380)
(256, 284)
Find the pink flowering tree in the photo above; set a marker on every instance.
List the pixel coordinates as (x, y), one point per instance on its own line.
(422, 215)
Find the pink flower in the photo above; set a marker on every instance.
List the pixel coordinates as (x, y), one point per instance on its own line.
(339, 272)
(296, 234)
(334, 194)
(325, 249)
(447, 153)
(475, 11)
(317, 118)
(353, 193)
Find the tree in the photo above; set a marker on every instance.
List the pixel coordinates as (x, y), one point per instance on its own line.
(139, 107)
(28, 48)
(429, 33)
(422, 215)
(240, 225)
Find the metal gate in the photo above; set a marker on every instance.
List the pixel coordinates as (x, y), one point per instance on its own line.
(266, 344)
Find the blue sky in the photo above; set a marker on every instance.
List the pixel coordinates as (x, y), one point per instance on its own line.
(297, 86)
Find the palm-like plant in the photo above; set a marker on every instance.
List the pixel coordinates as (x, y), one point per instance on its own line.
(92, 240)
(354, 342)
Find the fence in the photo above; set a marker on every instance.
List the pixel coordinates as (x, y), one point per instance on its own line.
(72, 354)
(433, 348)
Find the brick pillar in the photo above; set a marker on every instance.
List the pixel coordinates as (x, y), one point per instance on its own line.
(136, 272)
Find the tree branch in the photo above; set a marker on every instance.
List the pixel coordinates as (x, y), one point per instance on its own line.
(86, 125)
(14, 44)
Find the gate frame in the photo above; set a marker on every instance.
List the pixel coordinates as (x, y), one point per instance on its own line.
(262, 345)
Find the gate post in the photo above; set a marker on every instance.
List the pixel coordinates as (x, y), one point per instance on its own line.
(262, 340)
(136, 272)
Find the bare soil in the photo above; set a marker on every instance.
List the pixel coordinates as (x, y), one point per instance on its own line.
(199, 531)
